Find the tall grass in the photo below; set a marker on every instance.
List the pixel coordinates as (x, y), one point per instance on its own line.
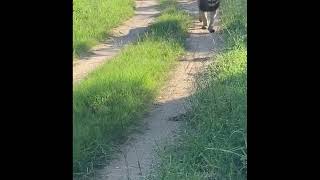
(115, 96)
(93, 20)
(213, 144)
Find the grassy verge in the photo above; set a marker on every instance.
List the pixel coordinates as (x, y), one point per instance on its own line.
(213, 145)
(93, 19)
(115, 96)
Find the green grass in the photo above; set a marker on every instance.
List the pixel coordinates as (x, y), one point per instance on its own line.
(114, 97)
(93, 20)
(213, 144)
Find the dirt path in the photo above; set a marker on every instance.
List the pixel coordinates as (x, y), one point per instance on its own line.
(138, 154)
(129, 31)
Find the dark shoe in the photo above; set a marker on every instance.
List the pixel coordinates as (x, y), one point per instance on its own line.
(211, 30)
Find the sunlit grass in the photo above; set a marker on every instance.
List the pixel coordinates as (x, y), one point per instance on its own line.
(93, 20)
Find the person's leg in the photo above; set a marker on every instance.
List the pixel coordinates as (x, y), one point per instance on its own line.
(200, 18)
(203, 16)
(199, 13)
(213, 15)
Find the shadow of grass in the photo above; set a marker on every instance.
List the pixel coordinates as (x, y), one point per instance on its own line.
(217, 122)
